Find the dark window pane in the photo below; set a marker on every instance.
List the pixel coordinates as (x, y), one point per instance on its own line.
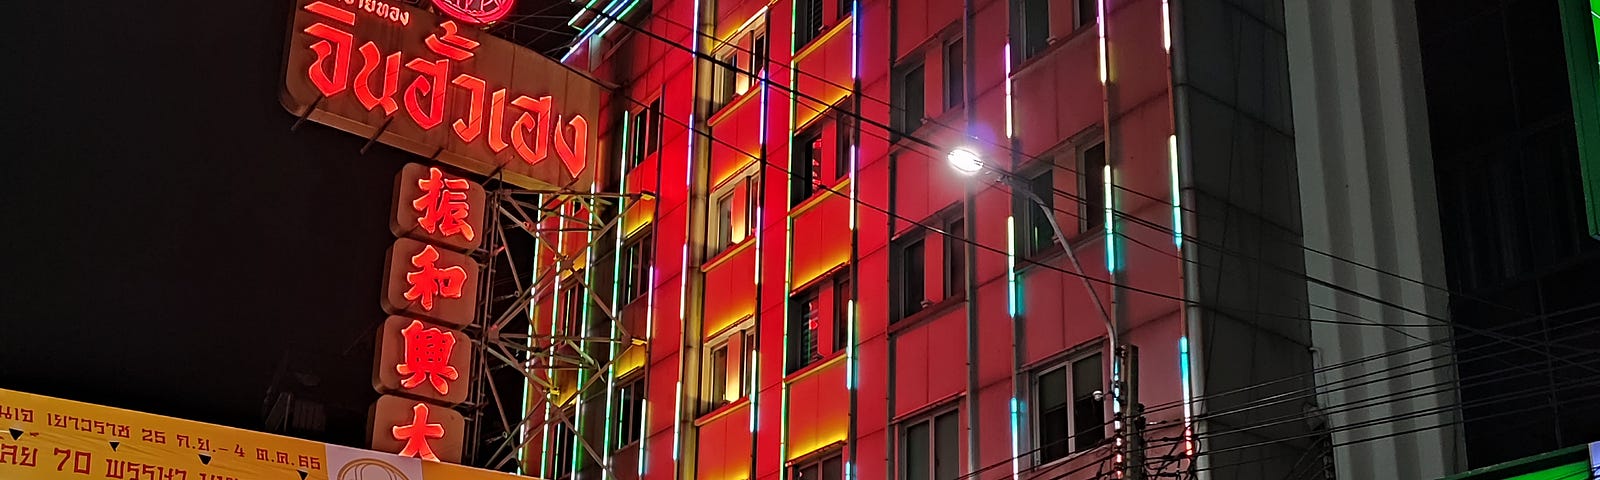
(833, 468)
(805, 168)
(911, 285)
(1053, 420)
(846, 134)
(758, 54)
(803, 331)
(1088, 415)
(1091, 168)
(1035, 26)
(954, 73)
(955, 264)
(914, 459)
(1086, 13)
(914, 98)
(1040, 235)
(841, 311)
(947, 447)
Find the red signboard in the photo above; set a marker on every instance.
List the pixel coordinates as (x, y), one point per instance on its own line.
(424, 281)
(442, 90)
(422, 361)
(416, 429)
(438, 208)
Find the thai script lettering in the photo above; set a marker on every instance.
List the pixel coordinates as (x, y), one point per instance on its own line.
(526, 125)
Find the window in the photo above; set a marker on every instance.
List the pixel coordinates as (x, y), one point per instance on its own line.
(758, 52)
(725, 81)
(807, 22)
(1070, 419)
(562, 440)
(954, 74)
(845, 139)
(955, 258)
(638, 130)
(908, 260)
(729, 366)
(908, 99)
(930, 448)
(842, 296)
(803, 325)
(638, 256)
(1084, 13)
(830, 467)
(1040, 235)
(752, 206)
(572, 303)
(805, 169)
(1092, 168)
(630, 412)
(722, 224)
(1034, 17)
(652, 140)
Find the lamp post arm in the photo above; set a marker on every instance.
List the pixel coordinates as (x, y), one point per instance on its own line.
(1111, 327)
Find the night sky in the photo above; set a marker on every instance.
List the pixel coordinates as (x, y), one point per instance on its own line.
(169, 240)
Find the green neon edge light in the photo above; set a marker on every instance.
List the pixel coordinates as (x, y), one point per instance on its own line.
(1578, 27)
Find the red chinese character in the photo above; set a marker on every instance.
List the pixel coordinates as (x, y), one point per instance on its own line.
(431, 280)
(427, 357)
(443, 205)
(416, 434)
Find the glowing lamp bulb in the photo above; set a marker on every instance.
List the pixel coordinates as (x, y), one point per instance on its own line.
(965, 161)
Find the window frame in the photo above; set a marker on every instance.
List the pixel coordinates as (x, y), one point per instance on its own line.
(1080, 21)
(795, 348)
(1065, 364)
(725, 79)
(844, 139)
(721, 235)
(1091, 207)
(628, 427)
(804, 31)
(903, 433)
(954, 70)
(794, 469)
(843, 294)
(639, 255)
(955, 252)
(803, 143)
(711, 400)
(900, 116)
(899, 306)
(1027, 49)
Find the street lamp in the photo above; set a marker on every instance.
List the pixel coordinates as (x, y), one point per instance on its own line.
(968, 163)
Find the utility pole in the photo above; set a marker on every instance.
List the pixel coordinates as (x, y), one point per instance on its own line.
(1130, 414)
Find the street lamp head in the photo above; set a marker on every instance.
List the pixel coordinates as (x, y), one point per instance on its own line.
(965, 161)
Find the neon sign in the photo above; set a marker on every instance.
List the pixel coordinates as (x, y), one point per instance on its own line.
(403, 77)
(475, 11)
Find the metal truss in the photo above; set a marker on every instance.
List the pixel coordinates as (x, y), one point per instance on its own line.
(528, 355)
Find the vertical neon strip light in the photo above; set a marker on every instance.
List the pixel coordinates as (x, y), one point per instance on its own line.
(1177, 204)
(1188, 395)
(1100, 22)
(788, 248)
(616, 289)
(760, 219)
(683, 275)
(1016, 442)
(1010, 115)
(1110, 225)
(649, 332)
(555, 308)
(583, 329)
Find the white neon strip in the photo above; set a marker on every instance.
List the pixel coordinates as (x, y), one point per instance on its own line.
(1010, 116)
(1166, 27)
(1101, 21)
(1188, 395)
(677, 419)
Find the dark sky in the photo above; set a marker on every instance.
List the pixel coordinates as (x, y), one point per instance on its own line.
(169, 239)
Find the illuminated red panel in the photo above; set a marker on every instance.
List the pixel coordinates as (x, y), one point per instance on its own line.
(438, 208)
(415, 429)
(415, 359)
(454, 84)
(423, 281)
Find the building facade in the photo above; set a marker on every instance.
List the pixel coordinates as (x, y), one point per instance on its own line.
(817, 294)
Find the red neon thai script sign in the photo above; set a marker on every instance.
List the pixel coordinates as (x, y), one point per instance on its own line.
(475, 11)
(441, 90)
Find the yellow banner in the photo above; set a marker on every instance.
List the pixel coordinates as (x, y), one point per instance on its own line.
(43, 438)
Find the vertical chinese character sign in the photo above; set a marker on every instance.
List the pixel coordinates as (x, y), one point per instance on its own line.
(430, 290)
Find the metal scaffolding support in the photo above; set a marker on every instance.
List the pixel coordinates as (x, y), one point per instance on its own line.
(537, 359)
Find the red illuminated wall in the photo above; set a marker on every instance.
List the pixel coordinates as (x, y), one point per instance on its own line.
(905, 369)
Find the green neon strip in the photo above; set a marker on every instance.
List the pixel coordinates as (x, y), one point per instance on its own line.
(616, 289)
(1579, 32)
